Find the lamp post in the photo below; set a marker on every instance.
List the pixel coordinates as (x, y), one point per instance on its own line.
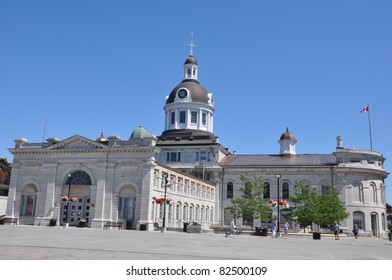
(277, 176)
(66, 224)
(165, 181)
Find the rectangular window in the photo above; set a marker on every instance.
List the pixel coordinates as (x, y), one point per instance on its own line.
(173, 156)
(204, 119)
(194, 117)
(182, 116)
(203, 156)
(172, 117)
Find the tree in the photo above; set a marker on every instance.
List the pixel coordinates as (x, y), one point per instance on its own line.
(304, 204)
(330, 208)
(309, 208)
(5, 171)
(251, 205)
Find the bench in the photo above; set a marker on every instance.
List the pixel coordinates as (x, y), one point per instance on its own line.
(118, 225)
(11, 221)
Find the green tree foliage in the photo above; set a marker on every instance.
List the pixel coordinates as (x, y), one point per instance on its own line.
(5, 169)
(330, 208)
(308, 207)
(251, 205)
(303, 206)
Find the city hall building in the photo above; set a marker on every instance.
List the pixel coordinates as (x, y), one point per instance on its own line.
(183, 175)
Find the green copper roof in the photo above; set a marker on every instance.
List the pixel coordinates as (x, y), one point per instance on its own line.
(140, 132)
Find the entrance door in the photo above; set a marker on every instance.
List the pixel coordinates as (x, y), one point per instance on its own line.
(126, 210)
(78, 210)
(374, 224)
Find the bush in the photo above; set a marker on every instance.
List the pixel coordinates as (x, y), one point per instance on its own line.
(390, 227)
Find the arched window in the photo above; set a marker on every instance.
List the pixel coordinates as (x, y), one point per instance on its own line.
(324, 188)
(28, 200)
(191, 214)
(374, 192)
(229, 190)
(185, 213)
(126, 202)
(359, 219)
(285, 190)
(178, 211)
(357, 193)
(79, 178)
(267, 190)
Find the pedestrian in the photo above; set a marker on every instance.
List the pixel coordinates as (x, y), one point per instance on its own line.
(286, 229)
(233, 227)
(336, 230)
(356, 231)
(273, 229)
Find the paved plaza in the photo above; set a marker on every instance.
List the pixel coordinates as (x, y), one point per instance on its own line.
(57, 243)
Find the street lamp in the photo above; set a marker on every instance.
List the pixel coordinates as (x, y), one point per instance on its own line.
(277, 176)
(66, 224)
(165, 182)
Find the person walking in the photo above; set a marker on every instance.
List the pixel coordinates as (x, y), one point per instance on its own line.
(286, 229)
(336, 230)
(356, 231)
(273, 229)
(233, 227)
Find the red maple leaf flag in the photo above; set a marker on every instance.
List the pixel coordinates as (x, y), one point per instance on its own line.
(366, 109)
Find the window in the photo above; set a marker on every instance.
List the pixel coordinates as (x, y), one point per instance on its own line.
(374, 191)
(194, 117)
(359, 219)
(182, 116)
(191, 214)
(173, 157)
(204, 119)
(324, 188)
(357, 193)
(178, 211)
(79, 178)
(27, 205)
(285, 190)
(203, 156)
(185, 213)
(125, 208)
(172, 117)
(28, 200)
(229, 191)
(267, 190)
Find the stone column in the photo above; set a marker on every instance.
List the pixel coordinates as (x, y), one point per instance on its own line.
(102, 196)
(12, 211)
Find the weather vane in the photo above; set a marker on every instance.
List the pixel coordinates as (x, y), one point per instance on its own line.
(191, 45)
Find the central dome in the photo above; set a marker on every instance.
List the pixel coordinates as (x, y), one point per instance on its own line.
(197, 92)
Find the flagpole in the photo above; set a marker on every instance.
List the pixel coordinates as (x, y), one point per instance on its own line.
(370, 129)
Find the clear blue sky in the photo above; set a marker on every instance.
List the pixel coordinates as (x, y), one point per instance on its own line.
(106, 66)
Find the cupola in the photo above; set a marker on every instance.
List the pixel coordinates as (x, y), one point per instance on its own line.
(287, 143)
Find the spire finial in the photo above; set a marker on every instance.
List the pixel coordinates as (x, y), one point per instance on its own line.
(191, 45)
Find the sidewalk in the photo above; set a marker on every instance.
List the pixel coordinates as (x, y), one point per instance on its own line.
(57, 243)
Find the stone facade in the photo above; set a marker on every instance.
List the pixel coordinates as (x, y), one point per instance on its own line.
(111, 180)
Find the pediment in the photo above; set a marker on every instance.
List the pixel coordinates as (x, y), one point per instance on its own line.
(77, 142)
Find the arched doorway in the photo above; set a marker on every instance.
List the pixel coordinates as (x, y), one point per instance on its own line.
(126, 205)
(374, 221)
(78, 185)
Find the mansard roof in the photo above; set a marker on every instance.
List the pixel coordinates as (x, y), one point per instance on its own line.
(235, 160)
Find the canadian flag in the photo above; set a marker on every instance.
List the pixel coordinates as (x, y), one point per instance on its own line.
(366, 109)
